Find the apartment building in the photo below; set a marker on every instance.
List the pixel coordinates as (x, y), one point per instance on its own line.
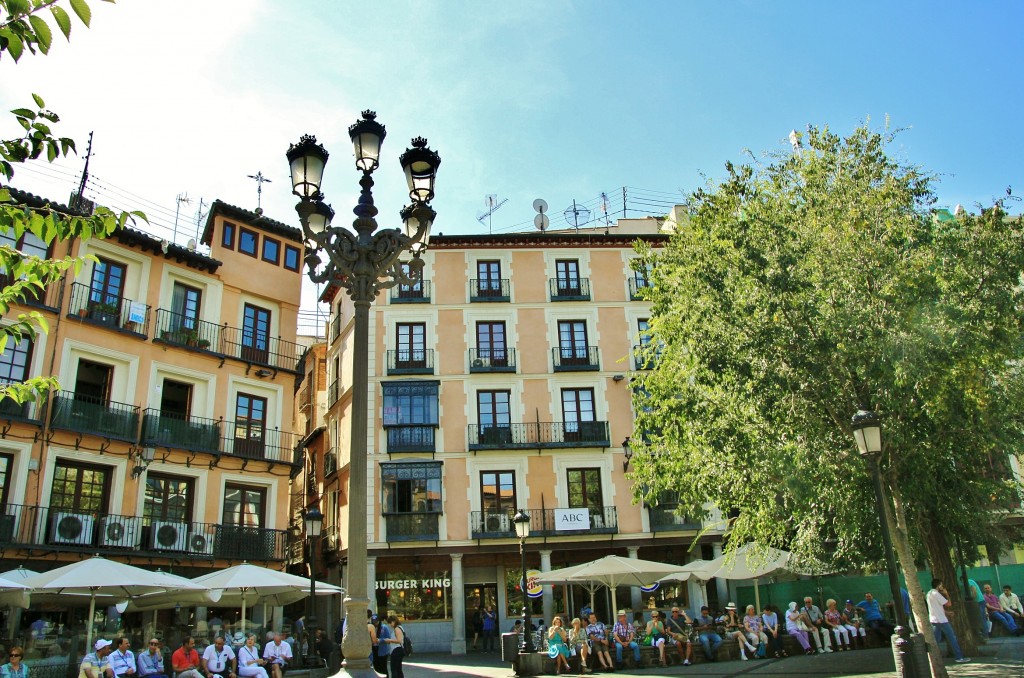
(500, 382)
(170, 441)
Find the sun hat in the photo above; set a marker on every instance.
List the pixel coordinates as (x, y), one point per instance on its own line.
(792, 606)
(100, 644)
(731, 606)
(622, 613)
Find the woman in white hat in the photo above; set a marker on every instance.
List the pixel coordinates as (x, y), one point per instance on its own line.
(734, 630)
(796, 627)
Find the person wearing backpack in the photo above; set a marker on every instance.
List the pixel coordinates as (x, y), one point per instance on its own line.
(397, 644)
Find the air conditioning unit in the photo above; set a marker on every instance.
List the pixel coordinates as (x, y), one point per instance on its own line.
(497, 522)
(168, 536)
(71, 528)
(477, 362)
(118, 532)
(201, 543)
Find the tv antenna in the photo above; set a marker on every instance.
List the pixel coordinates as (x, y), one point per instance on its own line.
(541, 221)
(576, 215)
(493, 204)
(260, 180)
(182, 198)
(604, 207)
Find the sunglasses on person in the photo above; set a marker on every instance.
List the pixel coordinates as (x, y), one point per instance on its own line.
(15, 655)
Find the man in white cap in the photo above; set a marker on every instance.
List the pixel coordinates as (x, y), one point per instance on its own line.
(625, 636)
(96, 664)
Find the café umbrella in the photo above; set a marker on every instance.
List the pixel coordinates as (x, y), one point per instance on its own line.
(611, 571)
(13, 593)
(108, 580)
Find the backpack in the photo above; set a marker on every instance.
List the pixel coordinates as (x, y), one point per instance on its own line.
(406, 642)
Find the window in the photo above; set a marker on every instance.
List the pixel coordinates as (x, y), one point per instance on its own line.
(414, 291)
(490, 343)
(292, 258)
(168, 498)
(411, 487)
(255, 334)
(492, 408)
(577, 410)
(643, 327)
(567, 275)
(107, 286)
(411, 345)
(584, 486)
(271, 250)
(185, 305)
(250, 425)
(498, 492)
(175, 399)
(488, 275)
(6, 471)
(410, 403)
(228, 240)
(247, 241)
(244, 506)
(15, 361)
(572, 343)
(92, 382)
(82, 488)
(28, 244)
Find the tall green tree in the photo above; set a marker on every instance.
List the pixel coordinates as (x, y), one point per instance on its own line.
(23, 30)
(804, 288)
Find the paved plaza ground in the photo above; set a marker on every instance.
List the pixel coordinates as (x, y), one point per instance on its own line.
(1000, 658)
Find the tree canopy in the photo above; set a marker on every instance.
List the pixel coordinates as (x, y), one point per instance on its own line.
(801, 289)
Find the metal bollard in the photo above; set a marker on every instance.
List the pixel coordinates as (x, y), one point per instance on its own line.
(910, 653)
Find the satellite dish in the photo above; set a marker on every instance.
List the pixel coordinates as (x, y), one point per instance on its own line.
(540, 205)
(577, 215)
(542, 222)
(191, 245)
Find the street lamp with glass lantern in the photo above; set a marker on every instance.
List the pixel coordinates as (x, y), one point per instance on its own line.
(867, 431)
(363, 263)
(313, 520)
(522, 522)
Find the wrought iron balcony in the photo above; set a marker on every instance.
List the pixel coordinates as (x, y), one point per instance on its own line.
(412, 526)
(40, 527)
(603, 520)
(539, 435)
(636, 287)
(86, 414)
(491, 524)
(569, 289)
(489, 290)
(411, 361)
(411, 294)
(645, 356)
(181, 330)
(664, 518)
(252, 440)
(410, 438)
(492, 360)
(330, 461)
(575, 359)
(335, 328)
(194, 434)
(47, 298)
(333, 391)
(242, 344)
(98, 308)
(13, 411)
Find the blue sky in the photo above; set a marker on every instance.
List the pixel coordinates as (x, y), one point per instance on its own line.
(558, 99)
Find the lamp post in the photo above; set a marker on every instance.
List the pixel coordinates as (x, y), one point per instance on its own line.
(867, 431)
(522, 522)
(313, 521)
(363, 263)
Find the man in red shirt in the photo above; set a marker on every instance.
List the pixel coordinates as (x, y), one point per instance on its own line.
(185, 660)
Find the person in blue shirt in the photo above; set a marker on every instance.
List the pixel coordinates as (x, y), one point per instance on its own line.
(151, 662)
(873, 618)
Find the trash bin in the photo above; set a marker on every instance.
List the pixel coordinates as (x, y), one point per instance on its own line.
(509, 647)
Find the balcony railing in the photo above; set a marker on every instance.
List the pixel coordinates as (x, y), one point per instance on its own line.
(412, 526)
(491, 524)
(410, 438)
(645, 356)
(489, 290)
(18, 411)
(575, 358)
(665, 518)
(86, 414)
(333, 391)
(414, 294)
(47, 298)
(182, 330)
(569, 289)
(603, 520)
(194, 434)
(411, 361)
(335, 328)
(99, 308)
(252, 440)
(90, 532)
(330, 461)
(539, 435)
(636, 285)
(233, 342)
(492, 360)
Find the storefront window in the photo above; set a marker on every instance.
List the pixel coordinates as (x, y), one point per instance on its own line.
(415, 596)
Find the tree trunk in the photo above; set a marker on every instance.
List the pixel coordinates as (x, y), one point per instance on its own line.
(939, 555)
(897, 519)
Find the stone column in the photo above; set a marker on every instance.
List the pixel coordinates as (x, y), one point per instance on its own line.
(636, 599)
(548, 597)
(721, 585)
(458, 598)
(371, 581)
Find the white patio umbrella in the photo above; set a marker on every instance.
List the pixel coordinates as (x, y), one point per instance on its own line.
(98, 577)
(612, 571)
(13, 593)
(751, 561)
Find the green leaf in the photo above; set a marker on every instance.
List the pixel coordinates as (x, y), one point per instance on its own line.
(64, 23)
(51, 151)
(82, 10)
(43, 35)
(38, 99)
(24, 113)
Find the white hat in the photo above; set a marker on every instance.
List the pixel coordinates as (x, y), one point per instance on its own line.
(731, 606)
(622, 613)
(100, 644)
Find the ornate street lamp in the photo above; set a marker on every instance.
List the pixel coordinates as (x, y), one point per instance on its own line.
(867, 431)
(627, 453)
(313, 520)
(364, 263)
(522, 522)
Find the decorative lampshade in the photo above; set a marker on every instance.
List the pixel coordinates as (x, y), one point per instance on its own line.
(367, 135)
(420, 165)
(313, 521)
(320, 219)
(522, 522)
(867, 431)
(307, 160)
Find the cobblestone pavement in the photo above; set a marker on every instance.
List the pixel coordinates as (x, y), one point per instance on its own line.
(1000, 658)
